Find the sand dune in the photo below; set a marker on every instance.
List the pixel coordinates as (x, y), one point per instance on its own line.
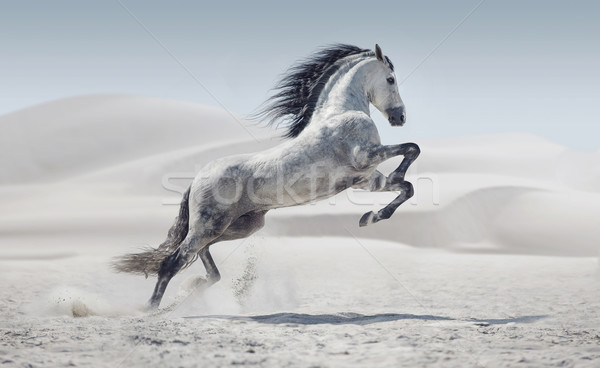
(117, 162)
(80, 134)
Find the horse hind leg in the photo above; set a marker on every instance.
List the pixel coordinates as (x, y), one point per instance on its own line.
(183, 257)
(194, 245)
(169, 268)
(212, 272)
(243, 227)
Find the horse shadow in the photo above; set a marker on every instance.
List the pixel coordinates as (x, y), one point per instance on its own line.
(360, 319)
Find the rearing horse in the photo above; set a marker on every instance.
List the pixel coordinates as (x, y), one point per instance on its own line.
(334, 146)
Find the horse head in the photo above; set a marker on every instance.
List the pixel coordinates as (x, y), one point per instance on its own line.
(383, 90)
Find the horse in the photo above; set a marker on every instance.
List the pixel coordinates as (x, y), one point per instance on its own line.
(333, 144)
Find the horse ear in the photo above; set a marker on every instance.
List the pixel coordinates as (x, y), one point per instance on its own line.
(378, 53)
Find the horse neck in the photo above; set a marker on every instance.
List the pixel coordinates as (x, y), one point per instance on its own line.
(346, 89)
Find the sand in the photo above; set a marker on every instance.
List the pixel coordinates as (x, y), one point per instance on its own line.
(494, 263)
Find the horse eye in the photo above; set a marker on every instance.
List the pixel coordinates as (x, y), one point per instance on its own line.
(390, 80)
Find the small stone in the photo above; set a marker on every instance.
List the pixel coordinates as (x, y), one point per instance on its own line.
(79, 309)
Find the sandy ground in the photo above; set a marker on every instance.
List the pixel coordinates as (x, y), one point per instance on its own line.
(494, 263)
(305, 302)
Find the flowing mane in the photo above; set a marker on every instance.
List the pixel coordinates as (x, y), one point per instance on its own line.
(297, 93)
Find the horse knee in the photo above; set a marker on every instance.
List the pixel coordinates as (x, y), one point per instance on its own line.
(412, 150)
(407, 189)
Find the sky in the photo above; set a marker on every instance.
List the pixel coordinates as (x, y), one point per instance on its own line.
(469, 67)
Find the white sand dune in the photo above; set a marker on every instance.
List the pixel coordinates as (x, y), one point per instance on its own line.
(124, 155)
(80, 134)
(470, 271)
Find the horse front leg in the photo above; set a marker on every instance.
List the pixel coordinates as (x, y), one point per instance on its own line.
(406, 192)
(410, 151)
(393, 182)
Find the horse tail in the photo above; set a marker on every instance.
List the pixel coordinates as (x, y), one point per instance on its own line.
(148, 261)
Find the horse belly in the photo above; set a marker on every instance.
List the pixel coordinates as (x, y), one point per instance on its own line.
(297, 188)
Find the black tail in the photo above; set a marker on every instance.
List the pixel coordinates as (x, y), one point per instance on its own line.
(148, 262)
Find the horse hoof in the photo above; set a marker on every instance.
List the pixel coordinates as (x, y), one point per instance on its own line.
(150, 307)
(367, 219)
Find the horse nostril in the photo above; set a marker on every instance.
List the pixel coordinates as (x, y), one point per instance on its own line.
(402, 118)
(392, 118)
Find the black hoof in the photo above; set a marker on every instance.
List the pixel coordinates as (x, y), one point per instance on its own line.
(367, 218)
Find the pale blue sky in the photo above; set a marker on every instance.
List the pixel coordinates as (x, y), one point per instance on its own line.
(513, 66)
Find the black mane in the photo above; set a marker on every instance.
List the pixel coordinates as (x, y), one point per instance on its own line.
(296, 95)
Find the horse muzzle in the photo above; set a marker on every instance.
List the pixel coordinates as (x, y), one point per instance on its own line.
(396, 116)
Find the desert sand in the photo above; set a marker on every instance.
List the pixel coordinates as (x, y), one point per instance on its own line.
(494, 262)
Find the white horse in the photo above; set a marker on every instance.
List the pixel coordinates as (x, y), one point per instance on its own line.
(335, 145)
